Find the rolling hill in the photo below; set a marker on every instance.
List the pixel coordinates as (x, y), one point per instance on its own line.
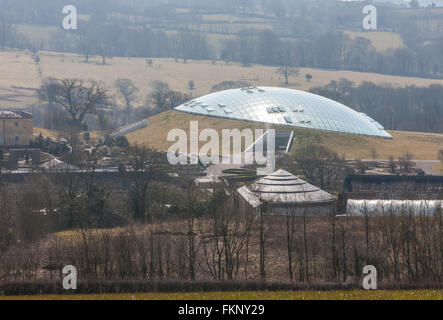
(421, 145)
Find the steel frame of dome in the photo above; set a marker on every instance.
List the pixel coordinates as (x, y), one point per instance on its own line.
(282, 106)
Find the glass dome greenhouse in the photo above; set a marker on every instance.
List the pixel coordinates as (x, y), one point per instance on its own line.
(282, 106)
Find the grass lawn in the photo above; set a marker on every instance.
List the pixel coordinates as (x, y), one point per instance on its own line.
(421, 145)
(438, 167)
(251, 295)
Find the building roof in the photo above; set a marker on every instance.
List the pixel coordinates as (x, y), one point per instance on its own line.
(283, 106)
(284, 188)
(10, 114)
(56, 164)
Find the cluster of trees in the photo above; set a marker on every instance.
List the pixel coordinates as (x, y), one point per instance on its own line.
(332, 50)
(9, 38)
(407, 108)
(207, 238)
(74, 105)
(117, 40)
(175, 230)
(304, 40)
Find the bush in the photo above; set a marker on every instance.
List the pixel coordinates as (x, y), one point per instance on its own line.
(121, 141)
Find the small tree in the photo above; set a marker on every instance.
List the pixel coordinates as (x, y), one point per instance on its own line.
(308, 77)
(374, 154)
(286, 72)
(191, 85)
(405, 161)
(440, 155)
(128, 90)
(392, 164)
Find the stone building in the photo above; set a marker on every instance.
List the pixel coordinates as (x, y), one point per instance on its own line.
(16, 128)
(282, 193)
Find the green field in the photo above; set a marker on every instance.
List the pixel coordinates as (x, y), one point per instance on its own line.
(251, 295)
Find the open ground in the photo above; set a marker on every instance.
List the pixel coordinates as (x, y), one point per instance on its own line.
(21, 75)
(421, 145)
(250, 295)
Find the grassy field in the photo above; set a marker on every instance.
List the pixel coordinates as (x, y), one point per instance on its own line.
(251, 295)
(21, 76)
(438, 167)
(422, 145)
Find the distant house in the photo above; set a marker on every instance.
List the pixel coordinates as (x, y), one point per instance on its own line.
(16, 128)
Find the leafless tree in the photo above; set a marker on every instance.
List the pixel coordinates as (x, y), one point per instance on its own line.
(321, 166)
(392, 164)
(78, 97)
(286, 72)
(146, 165)
(405, 161)
(128, 90)
(440, 155)
(374, 154)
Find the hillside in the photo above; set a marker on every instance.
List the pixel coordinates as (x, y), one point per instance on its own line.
(421, 145)
(21, 75)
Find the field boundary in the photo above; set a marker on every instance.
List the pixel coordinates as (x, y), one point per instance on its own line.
(36, 287)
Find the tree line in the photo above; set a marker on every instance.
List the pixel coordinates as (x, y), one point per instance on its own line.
(207, 238)
(408, 108)
(169, 228)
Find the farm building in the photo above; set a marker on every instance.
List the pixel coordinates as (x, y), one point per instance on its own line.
(282, 193)
(16, 128)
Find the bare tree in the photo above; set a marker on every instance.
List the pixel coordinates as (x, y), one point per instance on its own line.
(146, 165)
(128, 90)
(162, 98)
(374, 154)
(392, 164)
(290, 231)
(77, 97)
(440, 155)
(191, 85)
(286, 72)
(321, 166)
(405, 161)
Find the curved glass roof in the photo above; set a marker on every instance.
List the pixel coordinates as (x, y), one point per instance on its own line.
(284, 106)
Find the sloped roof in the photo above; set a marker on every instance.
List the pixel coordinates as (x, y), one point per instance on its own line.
(55, 164)
(285, 188)
(13, 114)
(249, 196)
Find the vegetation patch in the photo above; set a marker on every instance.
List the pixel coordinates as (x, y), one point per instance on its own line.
(250, 295)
